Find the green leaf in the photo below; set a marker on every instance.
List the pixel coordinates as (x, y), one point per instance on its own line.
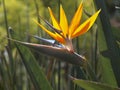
(116, 33)
(90, 85)
(109, 57)
(35, 72)
(107, 73)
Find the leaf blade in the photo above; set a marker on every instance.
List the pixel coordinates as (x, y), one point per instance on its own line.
(90, 85)
(38, 77)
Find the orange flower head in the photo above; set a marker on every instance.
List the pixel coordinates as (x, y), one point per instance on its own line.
(64, 33)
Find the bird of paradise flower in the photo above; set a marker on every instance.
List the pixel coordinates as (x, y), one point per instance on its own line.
(64, 33)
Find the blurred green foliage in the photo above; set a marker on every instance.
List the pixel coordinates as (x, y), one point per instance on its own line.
(16, 70)
(3, 41)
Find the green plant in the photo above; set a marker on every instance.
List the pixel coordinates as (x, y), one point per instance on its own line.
(60, 64)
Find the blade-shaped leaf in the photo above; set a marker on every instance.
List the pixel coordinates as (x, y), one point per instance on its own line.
(90, 85)
(38, 77)
(35, 72)
(108, 43)
(60, 53)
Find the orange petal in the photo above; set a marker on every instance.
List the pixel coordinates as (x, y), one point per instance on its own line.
(63, 21)
(54, 21)
(81, 29)
(53, 35)
(86, 25)
(76, 19)
(60, 38)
